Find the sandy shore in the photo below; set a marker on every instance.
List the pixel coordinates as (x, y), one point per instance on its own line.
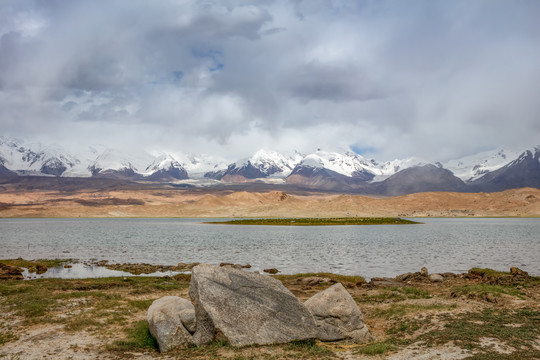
(482, 314)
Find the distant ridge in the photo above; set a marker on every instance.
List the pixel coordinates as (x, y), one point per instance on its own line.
(340, 172)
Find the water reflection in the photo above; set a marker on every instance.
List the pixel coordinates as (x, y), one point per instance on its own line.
(84, 271)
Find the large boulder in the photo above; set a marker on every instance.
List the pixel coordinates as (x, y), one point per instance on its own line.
(171, 320)
(246, 308)
(337, 316)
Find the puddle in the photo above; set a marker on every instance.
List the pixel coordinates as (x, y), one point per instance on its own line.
(84, 271)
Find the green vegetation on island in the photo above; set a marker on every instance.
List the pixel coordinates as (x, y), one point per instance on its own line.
(318, 221)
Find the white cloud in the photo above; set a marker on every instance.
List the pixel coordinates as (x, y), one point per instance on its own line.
(431, 79)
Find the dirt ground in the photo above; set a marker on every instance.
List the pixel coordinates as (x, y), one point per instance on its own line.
(482, 314)
(166, 202)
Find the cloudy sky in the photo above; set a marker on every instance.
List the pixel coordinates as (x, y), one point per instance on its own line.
(436, 79)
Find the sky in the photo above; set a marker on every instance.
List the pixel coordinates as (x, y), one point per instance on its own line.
(435, 79)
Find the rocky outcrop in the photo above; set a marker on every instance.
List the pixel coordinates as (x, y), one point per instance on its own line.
(246, 308)
(515, 271)
(337, 316)
(171, 321)
(8, 272)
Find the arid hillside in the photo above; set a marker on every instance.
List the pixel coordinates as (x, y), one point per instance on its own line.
(148, 202)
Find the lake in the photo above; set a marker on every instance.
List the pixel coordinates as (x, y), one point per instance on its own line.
(441, 245)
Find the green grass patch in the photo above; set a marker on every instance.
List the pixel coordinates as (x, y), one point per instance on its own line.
(516, 328)
(309, 348)
(6, 336)
(81, 323)
(138, 337)
(317, 221)
(404, 327)
(487, 272)
(29, 305)
(481, 290)
(205, 352)
(414, 293)
(140, 304)
(394, 294)
(398, 310)
(34, 300)
(375, 349)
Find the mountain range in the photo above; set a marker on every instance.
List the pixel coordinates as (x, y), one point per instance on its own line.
(348, 172)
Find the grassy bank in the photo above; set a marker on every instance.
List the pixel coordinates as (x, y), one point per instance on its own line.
(317, 221)
(483, 314)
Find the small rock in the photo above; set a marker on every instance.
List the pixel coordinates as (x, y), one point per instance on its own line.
(171, 320)
(186, 266)
(384, 282)
(449, 275)
(424, 271)
(337, 316)
(490, 298)
(68, 266)
(271, 271)
(436, 278)
(314, 281)
(404, 277)
(518, 272)
(234, 266)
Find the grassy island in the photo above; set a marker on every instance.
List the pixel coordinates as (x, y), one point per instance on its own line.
(318, 221)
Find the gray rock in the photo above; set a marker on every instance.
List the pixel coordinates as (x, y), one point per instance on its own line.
(170, 320)
(337, 316)
(404, 277)
(314, 281)
(436, 278)
(246, 308)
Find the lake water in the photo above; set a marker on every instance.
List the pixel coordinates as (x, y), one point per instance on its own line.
(441, 245)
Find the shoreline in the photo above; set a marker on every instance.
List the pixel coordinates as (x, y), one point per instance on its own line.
(38, 268)
(71, 269)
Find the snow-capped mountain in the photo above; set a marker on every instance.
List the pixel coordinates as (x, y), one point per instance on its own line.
(165, 167)
(353, 165)
(262, 164)
(421, 178)
(197, 165)
(34, 159)
(487, 171)
(471, 168)
(521, 172)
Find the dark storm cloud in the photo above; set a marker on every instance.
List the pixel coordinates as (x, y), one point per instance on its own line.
(428, 78)
(336, 83)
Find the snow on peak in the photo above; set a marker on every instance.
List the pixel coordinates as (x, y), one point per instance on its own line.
(35, 158)
(162, 162)
(472, 167)
(269, 163)
(347, 164)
